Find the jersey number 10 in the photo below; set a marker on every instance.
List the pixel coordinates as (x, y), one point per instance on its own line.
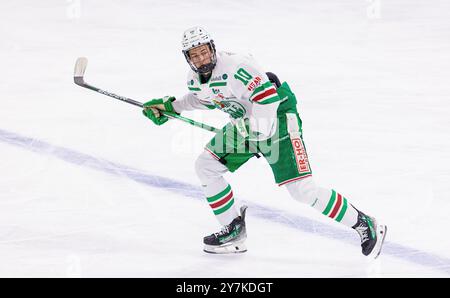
(243, 76)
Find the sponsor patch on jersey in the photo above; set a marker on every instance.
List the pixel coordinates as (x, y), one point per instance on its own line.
(300, 155)
(255, 83)
(217, 78)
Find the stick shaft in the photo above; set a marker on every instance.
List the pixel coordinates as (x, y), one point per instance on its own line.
(78, 77)
(79, 81)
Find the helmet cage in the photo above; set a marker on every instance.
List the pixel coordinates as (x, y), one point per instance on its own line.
(207, 67)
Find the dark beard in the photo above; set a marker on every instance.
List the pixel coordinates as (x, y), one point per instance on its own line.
(204, 77)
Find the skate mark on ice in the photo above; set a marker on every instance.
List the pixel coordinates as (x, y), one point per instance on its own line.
(298, 222)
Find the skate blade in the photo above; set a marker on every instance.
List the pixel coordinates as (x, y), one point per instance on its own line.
(229, 248)
(381, 235)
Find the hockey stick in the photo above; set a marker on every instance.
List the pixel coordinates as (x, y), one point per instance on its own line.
(78, 78)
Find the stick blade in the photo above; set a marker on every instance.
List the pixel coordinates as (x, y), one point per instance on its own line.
(80, 68)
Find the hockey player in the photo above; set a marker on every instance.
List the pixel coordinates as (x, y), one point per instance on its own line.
(263, 120)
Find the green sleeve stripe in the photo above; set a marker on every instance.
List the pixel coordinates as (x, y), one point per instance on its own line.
(217, 84)
(194, 89)
(272, 99)
(258, 89)
(211, 107)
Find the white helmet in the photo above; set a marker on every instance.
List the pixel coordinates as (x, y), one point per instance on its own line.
(194, 37)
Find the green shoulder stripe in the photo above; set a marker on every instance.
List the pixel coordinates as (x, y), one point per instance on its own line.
(218, 84)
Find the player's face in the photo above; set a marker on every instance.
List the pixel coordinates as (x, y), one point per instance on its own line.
(200, 55)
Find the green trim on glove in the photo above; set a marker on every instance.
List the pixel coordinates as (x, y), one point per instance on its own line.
(166, 102)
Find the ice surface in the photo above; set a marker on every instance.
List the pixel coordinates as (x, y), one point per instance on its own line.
(91, 188)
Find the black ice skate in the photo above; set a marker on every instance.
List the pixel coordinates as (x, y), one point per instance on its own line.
(230, 239)
(372, 235)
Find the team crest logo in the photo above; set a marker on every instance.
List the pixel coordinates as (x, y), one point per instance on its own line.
(235, 109)
(218, 104)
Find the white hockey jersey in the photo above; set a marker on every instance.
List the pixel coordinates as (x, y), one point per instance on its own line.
(239, 87)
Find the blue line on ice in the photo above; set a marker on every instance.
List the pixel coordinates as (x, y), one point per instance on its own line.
(292, 220)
